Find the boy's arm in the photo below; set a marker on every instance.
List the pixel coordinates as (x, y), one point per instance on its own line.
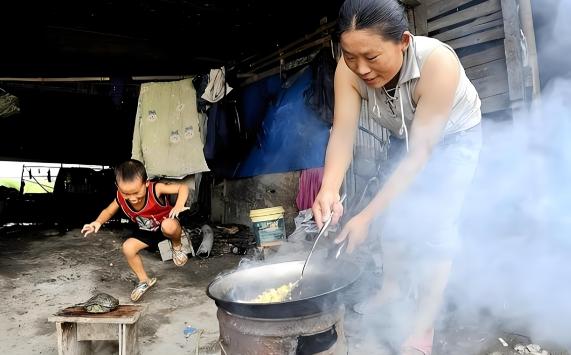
(169, 189)
(103, 217)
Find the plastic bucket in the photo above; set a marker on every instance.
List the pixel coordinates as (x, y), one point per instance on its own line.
(268, 225)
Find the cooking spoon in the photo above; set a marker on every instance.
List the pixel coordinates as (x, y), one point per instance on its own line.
(321, 233)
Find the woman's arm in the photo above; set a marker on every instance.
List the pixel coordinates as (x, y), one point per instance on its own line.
(435, 92)
(340, 147)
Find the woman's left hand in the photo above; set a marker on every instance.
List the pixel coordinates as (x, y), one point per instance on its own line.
(356, 231)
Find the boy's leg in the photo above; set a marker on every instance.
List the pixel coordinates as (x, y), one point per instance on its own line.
(172, 230)
(131, 248)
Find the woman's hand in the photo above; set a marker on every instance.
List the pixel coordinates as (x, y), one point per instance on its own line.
(327, 202)
(356, 231)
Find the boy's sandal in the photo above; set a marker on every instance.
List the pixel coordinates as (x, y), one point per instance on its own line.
(179, 257)
(419, 345)
(141, 288)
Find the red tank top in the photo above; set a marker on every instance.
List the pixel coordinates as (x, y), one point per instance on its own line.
(153, 212)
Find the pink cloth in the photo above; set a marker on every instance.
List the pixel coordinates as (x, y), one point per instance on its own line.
(309, 185)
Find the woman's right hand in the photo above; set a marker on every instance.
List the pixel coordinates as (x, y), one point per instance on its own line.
(327, 202)
(92, 227)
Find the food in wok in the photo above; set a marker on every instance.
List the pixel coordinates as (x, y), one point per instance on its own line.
(278, 294)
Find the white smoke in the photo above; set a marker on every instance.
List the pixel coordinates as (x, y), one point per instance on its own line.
(516, 263)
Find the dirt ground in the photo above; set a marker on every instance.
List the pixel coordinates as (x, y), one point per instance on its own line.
(42, 272)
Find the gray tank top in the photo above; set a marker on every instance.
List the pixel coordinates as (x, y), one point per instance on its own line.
(386, 107)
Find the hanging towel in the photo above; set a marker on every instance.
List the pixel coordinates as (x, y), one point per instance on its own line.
(217, 86)
(309, 185)
(167, 134)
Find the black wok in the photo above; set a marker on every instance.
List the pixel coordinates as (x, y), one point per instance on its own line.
(322, 288)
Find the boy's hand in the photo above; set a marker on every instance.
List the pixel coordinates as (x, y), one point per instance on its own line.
(92, 227)
(176, 210)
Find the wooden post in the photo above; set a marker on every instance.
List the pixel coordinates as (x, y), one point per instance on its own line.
(526, 17)
(128, 344)
(67, 340)
(420, 20)
(512, 44)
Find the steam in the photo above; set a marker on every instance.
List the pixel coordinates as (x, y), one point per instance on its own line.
(516, 262)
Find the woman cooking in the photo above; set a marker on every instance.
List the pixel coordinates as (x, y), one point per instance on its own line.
(416, 88)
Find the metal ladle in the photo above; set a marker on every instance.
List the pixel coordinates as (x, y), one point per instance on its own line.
(322, 231)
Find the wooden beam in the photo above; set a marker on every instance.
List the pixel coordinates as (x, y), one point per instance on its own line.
(420, 21)
(486, 8)
(439, 7)
(478, 38)
(497, 67)
(410, 18)
(512, 43)
(477, 25)
(411, 3)
(526, 18)
(323, 41)
(428, 2)
(321, 31)
(485, 56)
(495, 103)
(491, 85)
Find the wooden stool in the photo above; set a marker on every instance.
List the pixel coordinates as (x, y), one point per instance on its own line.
(77, 328)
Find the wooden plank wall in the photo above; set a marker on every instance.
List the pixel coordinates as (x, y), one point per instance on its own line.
(475, 29)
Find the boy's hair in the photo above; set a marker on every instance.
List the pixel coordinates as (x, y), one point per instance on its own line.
(130, 170)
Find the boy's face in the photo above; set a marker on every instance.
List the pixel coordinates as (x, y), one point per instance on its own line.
(133, 191)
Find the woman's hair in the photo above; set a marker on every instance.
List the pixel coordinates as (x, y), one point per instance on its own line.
(385, 17)
(130, 170)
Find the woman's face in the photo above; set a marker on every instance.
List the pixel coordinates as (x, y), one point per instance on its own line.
(371, 57)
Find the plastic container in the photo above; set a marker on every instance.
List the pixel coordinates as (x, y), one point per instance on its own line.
(268, 225)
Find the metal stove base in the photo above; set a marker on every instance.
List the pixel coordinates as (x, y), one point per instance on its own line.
(320, 334)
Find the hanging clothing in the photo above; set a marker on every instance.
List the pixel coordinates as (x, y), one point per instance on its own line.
(167, 133)
(309, 185)
(320, 95)
(218, 131)
(217, 87)
(9, 104)
(200, 82)
(153, 213)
